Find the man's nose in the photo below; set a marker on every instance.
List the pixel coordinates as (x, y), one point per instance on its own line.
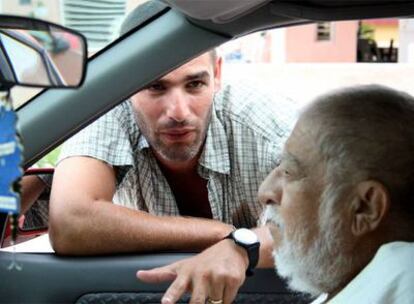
(178, 106)
(270, 191)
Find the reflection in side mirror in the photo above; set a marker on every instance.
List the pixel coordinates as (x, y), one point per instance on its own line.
(38, 53)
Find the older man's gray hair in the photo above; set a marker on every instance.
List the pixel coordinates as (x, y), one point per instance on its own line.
(367, 132)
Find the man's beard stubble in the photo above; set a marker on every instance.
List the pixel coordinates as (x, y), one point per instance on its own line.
(323, 266)
(176, 152)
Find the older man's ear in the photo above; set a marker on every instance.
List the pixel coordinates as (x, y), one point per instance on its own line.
(369, 207)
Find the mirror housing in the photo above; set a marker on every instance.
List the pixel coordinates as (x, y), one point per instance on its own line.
(38, 53)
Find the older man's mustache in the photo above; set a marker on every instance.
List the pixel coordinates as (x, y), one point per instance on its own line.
(271, 216)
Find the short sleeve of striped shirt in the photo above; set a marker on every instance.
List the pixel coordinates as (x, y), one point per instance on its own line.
(110, 138)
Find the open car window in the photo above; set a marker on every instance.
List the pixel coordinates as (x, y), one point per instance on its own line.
(302, 62)
(327, 56)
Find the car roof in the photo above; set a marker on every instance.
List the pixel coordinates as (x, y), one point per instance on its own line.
(225, 11)
(236, 18)
(144, 54)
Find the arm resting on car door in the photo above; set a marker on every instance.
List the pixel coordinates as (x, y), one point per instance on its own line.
(83, 219)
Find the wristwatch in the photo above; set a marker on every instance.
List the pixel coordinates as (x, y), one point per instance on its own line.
(250, 242)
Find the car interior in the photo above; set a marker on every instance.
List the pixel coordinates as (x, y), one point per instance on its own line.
(145, 53)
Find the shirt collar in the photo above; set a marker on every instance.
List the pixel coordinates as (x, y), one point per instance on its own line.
(215, 155)
(142, 142)
(320, 299)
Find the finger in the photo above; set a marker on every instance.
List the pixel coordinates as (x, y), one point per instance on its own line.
(200, 286)
(229, 295)
(231, 289)
(157, 275)
(216, 288)
(175, 291)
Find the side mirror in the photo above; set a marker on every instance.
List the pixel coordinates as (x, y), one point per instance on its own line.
(40, 54)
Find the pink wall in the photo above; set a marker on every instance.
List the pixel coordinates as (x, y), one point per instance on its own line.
(302, 46)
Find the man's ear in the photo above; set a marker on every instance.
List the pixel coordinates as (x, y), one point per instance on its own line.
(217, 74)
(370, 205)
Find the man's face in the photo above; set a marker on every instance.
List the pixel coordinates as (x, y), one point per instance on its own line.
(173, 112)
(307, 247)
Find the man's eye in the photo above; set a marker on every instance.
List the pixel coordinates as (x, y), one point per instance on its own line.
(156, 87)
(284, 171)
(195, 84)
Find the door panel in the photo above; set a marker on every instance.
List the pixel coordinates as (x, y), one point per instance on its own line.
(47, 278)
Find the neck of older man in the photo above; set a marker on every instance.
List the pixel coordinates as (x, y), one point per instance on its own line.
(364, 248)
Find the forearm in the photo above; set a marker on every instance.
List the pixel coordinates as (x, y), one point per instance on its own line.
(104, 227)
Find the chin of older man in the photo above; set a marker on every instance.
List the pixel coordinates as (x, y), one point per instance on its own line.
(339, 208)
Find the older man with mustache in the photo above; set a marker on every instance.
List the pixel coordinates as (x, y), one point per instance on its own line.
(339, 206)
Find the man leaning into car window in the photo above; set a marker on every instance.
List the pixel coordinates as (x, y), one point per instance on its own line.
(339, 208)
(177, 166)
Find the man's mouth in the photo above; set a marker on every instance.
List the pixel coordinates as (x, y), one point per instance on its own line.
(178, 134)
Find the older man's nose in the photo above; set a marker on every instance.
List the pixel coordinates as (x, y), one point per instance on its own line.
(178, 106)
(268, 197)
(270, 191)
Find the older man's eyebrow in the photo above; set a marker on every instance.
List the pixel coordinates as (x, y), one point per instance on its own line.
(292, 160)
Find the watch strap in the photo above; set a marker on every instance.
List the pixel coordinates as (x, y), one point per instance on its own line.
(252, 253)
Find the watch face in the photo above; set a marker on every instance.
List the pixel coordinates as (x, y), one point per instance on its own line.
(245, 236)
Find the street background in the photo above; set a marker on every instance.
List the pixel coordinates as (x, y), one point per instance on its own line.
(304, 81)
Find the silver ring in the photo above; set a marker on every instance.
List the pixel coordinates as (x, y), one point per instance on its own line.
(210, 301)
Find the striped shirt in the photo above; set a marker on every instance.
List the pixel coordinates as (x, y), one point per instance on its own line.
(244, 141)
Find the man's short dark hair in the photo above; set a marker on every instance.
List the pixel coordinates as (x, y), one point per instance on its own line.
(142, 13)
